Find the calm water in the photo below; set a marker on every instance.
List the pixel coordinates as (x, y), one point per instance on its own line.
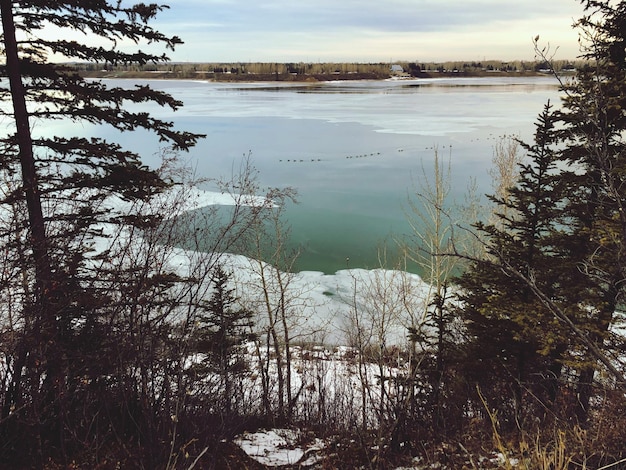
(353, 150)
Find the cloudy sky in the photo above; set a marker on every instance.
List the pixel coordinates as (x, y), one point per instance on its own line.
(369, 30)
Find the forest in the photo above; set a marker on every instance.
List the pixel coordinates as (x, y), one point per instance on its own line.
(265, 71)
(118, 349)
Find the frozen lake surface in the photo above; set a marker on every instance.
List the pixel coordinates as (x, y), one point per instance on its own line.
(352, 150)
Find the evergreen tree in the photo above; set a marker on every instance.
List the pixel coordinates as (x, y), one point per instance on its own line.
(225, 329)
(64, 341)
(593, 121)
(577, 263)
(515, 344)
(582, 264)
(440, 336)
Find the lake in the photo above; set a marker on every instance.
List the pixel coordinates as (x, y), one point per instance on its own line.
(354, 151)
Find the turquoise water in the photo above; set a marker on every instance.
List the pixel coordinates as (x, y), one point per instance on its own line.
(353, 151)
(329, 240)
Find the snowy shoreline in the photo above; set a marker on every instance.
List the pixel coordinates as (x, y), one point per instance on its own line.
(323, 305)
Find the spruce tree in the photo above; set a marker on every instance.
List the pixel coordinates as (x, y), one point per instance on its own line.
(581, 277)
(592, 121)
(225, 329)
(57, 192)
(515, 345)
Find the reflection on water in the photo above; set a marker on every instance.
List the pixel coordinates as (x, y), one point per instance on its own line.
(399, 87)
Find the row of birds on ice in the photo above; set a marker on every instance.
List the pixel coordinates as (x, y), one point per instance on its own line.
(366, 155)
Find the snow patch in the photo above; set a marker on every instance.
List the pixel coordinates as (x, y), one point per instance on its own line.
(278, 447)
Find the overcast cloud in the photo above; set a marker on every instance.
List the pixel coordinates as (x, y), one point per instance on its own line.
(368, 30)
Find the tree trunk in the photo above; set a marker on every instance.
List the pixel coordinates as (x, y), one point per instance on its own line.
(39, 240)
(44, 357)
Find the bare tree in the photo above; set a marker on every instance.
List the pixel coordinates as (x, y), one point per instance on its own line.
(272, 294)
(505, 162)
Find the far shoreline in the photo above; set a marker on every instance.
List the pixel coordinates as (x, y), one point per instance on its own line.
(297, 78)
(305, 72)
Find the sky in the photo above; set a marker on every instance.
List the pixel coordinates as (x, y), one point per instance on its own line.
(369, 30)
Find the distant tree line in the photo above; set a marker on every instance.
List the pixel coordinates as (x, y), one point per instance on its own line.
(300, 70)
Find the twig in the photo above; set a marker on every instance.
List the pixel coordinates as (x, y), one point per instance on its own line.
(193, 464)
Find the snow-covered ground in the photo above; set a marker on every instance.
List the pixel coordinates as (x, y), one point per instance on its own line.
(278, 447)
